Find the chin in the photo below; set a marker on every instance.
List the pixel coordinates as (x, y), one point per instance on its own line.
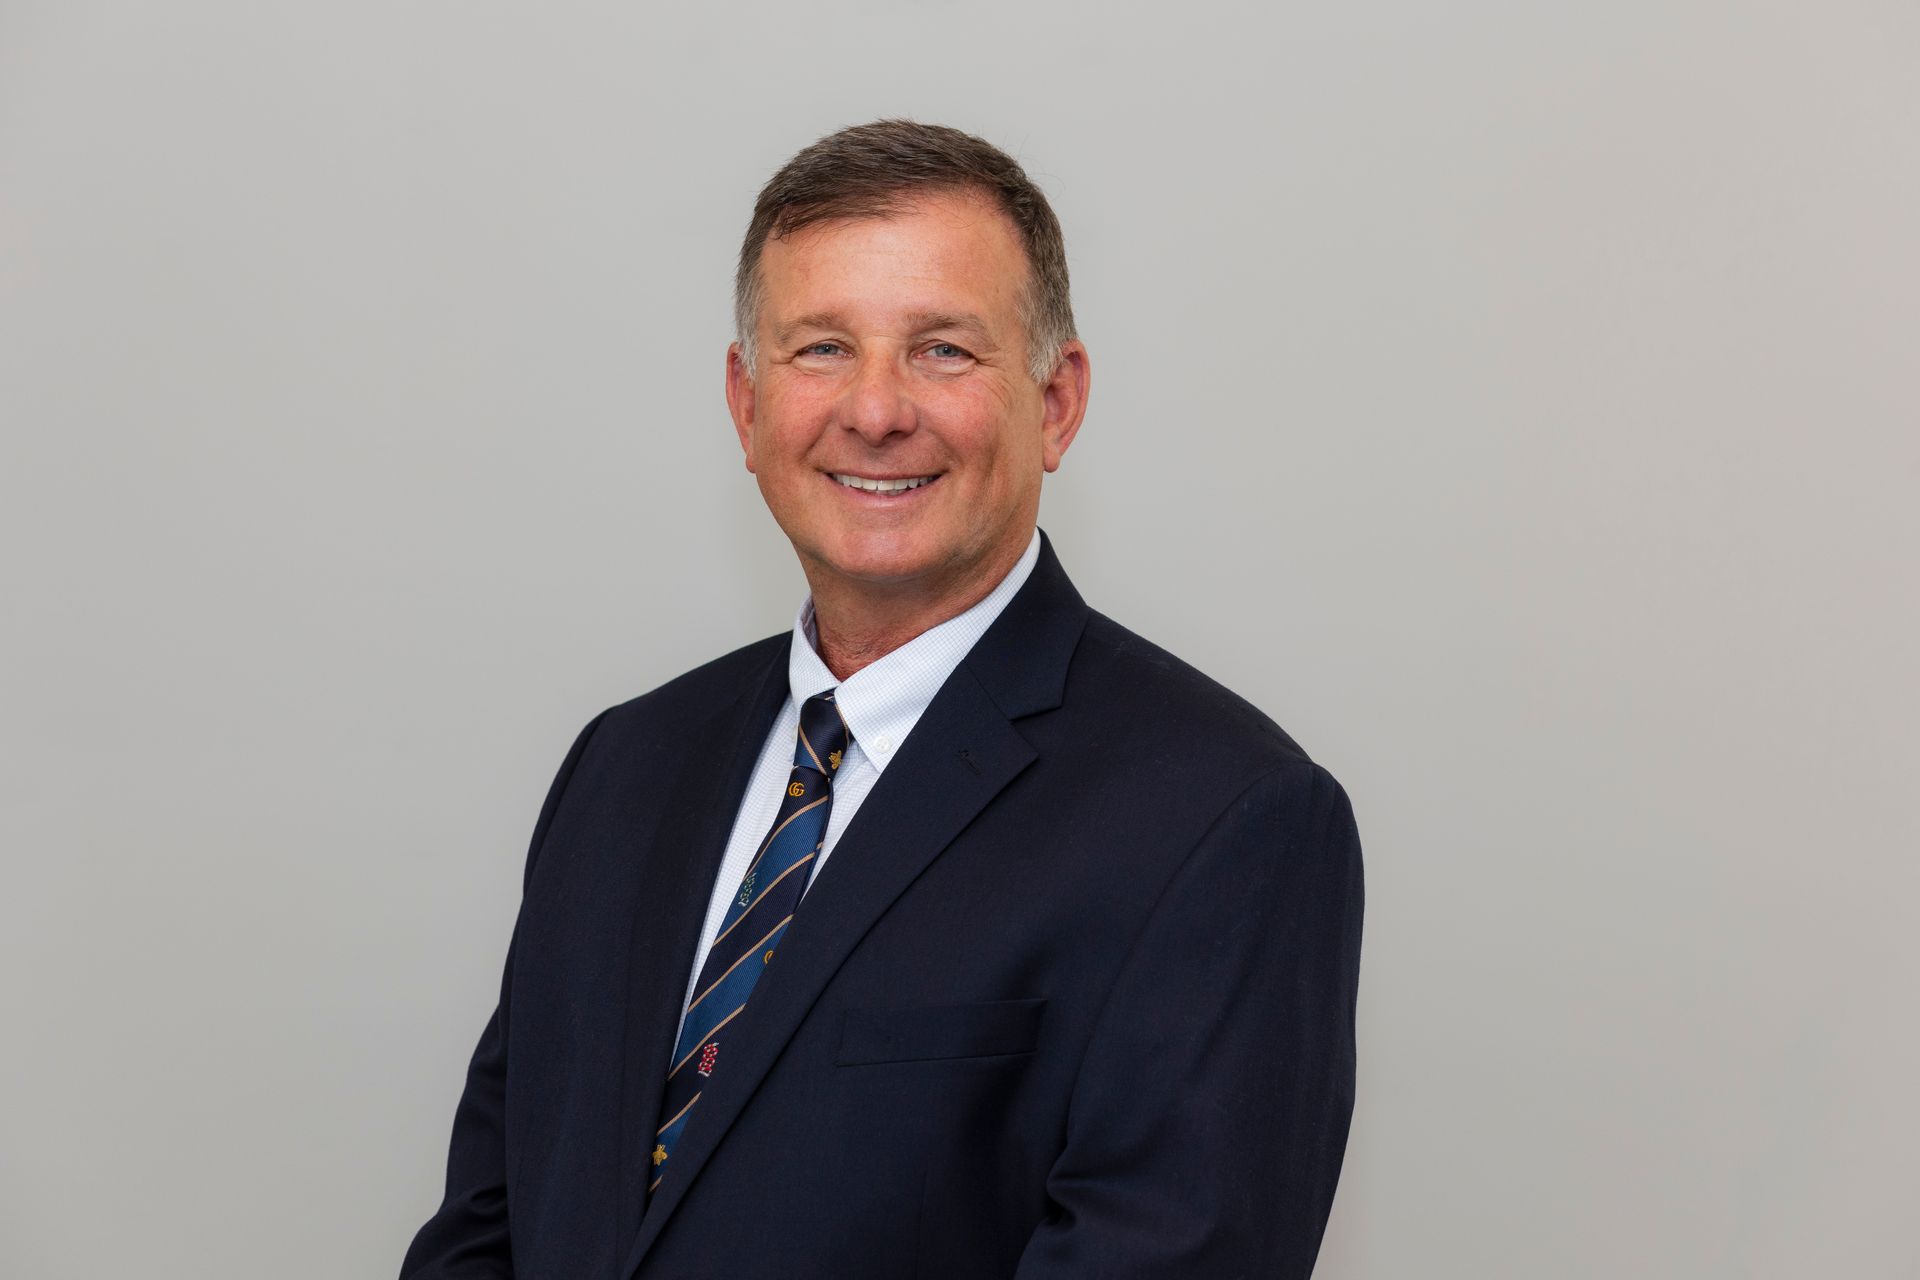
(879, 557)
(880, 565)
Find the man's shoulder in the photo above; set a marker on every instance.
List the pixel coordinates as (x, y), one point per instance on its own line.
(1187, 711)
(709, 688)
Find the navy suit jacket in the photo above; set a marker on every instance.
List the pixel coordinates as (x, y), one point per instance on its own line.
(1074, 996)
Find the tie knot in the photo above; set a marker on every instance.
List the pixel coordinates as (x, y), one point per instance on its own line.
(824, 736)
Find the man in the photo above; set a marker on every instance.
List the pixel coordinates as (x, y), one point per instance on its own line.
(1070, 991)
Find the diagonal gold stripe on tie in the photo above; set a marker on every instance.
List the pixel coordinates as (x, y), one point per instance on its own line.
(782, 827)
(716, 1028)
(735, 965)
(810, 751)
(720, 937)
(676, 1115)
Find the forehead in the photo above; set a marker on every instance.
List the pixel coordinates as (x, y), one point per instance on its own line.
(936, 253)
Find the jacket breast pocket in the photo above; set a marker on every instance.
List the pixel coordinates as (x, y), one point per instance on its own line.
(926, 1032)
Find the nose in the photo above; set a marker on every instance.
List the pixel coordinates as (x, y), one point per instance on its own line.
(879, 402)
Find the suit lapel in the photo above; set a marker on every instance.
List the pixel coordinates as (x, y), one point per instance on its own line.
(678, 859)
(961, 754)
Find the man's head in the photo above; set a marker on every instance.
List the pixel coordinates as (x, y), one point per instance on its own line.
(908, 369)
(874, 171)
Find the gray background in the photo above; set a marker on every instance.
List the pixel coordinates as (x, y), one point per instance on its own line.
(1518, 401)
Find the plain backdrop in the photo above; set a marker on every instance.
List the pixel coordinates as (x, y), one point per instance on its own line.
(1517, 401)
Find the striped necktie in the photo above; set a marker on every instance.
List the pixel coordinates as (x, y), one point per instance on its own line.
(756, 918)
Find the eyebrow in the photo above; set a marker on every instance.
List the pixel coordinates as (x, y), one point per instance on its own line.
(927, 321)
(784, 333)
(919, 322)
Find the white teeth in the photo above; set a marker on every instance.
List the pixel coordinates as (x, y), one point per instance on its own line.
(881, 486)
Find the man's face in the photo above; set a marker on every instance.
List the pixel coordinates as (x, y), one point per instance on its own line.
(895, 431)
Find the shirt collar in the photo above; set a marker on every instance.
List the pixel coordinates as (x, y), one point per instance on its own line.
(883, 700)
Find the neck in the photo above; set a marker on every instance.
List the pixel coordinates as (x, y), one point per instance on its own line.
(856, 624)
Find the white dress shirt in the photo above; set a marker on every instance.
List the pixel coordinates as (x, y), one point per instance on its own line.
(881, 703)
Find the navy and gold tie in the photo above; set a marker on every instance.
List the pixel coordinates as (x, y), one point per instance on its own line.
(756, 918)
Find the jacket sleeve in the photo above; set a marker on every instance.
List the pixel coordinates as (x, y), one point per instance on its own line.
(1209, 1117)
(466, 1238)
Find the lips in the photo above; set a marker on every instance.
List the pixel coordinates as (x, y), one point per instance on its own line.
(876, 484)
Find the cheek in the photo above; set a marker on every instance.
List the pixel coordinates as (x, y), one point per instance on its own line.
(788, 423)
(1000, 428)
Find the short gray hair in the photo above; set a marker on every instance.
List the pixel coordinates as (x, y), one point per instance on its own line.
(876, 170)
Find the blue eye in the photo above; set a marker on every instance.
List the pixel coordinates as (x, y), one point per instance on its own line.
(947, 351)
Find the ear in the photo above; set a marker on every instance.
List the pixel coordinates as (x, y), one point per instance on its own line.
(1065, 397)
(740, 395)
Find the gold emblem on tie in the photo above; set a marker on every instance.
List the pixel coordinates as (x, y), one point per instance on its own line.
(659, 1154)
(796, 789)
(833, 759)
(768, 958)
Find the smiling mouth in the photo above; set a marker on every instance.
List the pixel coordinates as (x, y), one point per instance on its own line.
(869, 484)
